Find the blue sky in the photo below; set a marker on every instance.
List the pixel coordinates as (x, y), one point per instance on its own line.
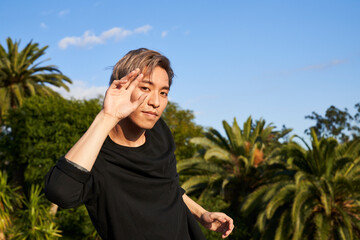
(279, 60)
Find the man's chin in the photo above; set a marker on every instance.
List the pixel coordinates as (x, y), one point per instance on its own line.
(146, 125)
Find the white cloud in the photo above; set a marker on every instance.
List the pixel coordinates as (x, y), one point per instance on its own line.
(90, 39)
(43, 25)
(174, 29)
(143, 29)
(117, 33)
(63, 12)
(164, 34)
(322, 66)
(81, 90)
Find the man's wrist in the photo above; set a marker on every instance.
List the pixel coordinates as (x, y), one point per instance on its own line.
(196, 210)
(107, 119)
(199, 214)
(201, 218)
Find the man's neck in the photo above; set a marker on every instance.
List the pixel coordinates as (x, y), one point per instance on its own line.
(126, 133)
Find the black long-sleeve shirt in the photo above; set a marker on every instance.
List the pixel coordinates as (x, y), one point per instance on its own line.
(131, 192)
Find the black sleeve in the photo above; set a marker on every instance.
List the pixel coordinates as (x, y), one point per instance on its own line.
(175, 174)
(182, 191)
(173, 161)
(67, 185)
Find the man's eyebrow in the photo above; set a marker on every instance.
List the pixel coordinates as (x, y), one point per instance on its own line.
(151, 83)
(147, 81)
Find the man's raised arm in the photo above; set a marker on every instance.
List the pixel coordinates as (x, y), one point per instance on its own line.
(117, 106)
(68, 184)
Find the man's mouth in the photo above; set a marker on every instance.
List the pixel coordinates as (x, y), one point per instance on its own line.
(150, 113)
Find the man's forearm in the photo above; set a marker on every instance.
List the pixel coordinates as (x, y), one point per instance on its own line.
(87, 148)
(194, 208)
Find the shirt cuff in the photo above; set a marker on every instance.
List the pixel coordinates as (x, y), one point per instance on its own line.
(73, 170)
(182, 191)
(77, 165)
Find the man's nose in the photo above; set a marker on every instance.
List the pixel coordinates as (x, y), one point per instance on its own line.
(154, 100)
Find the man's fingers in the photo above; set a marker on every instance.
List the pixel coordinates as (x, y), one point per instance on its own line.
(118, 83)
(220, 223)
(125, 81)
(140, 100)
(131, 75)
(228, 229)
(224, 218)
(132, 84)
(216, 216)
(231, 224)
(115, 84)
(226, 222)
(226, 233)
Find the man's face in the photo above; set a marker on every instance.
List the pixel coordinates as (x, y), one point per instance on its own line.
(156, 85)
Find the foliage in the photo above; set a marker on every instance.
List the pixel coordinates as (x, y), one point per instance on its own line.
(319, 200)
(230, 166)
(37, 134)
(183, 128)
(9, 198)
(35, 221)
(217, 204)
(22, 217)
(76, 224)
(41, 131)
(285, 191)
(336, 123)
(21, 76)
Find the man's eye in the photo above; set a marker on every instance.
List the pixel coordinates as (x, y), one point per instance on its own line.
(165, 94)
(144, 88)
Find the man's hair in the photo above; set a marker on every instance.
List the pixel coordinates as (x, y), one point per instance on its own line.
(144, 59)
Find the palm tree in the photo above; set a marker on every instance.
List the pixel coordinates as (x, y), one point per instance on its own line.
(230, 166)
(21, 77)
(320, 200)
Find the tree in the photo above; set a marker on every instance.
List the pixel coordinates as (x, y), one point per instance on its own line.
(317, 198)
(183, 128)
(229, 166)
(36, 135)
(336, 123)
(232, 167)
(41, 131)
(21, 76)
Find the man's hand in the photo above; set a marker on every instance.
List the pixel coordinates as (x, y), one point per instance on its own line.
(117, 103)
(218, 222)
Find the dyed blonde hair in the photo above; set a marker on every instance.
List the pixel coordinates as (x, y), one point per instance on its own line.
(144, 59)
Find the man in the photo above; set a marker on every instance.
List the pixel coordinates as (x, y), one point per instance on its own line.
(124, 169)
